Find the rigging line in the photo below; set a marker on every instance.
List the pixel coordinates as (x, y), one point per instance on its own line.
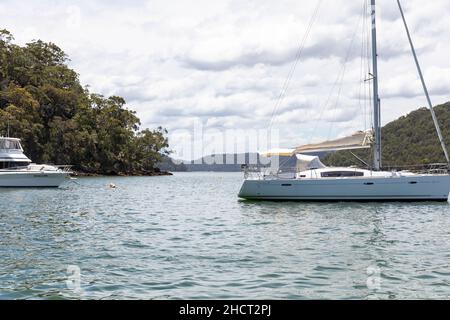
(369, 56)
(327, 101)
(365, 71)
(362, 83)
(365, 163)
(297, 59)
(367, 84)
(291, 72)
(333, 111)
(324, 107)
(347, 58)
(425, 89)
(294, 66)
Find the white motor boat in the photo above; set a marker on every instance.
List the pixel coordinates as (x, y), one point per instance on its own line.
(313, 181)
(16, 169)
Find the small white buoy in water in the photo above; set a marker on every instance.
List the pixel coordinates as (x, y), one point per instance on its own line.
(112, 186)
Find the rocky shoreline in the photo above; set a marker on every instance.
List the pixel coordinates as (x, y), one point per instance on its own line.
(122, 174)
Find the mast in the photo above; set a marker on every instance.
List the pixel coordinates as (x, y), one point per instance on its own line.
(376, 98)
(433, 114)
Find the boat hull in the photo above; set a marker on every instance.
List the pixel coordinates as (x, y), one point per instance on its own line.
(32, 179)
(414, 188)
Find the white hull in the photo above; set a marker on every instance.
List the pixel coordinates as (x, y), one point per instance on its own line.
(30, 179)
(411, 188)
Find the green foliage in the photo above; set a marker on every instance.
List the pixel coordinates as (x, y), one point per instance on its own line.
(43, 103)
(409, 140)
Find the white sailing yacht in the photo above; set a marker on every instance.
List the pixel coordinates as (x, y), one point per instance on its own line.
(313, 181)
(16, 169)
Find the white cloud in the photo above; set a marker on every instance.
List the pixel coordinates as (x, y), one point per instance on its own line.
(224, 62)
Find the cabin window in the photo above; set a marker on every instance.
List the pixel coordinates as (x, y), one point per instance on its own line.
(8, 165)
(9, 144)
(340, 174)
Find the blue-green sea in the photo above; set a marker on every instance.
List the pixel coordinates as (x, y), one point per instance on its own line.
(188, 236)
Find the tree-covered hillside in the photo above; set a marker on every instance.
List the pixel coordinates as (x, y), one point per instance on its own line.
(409, 140)
(43, 103)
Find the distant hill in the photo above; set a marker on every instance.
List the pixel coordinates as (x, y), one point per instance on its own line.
(216, 163)
(409, 140)
(225, 163)
(169, 164)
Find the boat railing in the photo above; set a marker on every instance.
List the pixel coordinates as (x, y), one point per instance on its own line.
(43, 167)
(259, 172)
(254, 172)
(65, 168)
(432, 168)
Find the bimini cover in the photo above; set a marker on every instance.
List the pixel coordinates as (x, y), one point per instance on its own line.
(278, 153)
(359, 140)
(305, 163)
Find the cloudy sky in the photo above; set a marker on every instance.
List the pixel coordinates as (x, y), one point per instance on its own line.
(223, 63)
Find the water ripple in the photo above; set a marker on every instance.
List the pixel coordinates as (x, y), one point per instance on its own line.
(189, 237)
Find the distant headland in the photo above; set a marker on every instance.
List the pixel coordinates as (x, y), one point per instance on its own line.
(59, 121)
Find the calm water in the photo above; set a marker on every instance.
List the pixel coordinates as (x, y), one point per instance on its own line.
(188, 236)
